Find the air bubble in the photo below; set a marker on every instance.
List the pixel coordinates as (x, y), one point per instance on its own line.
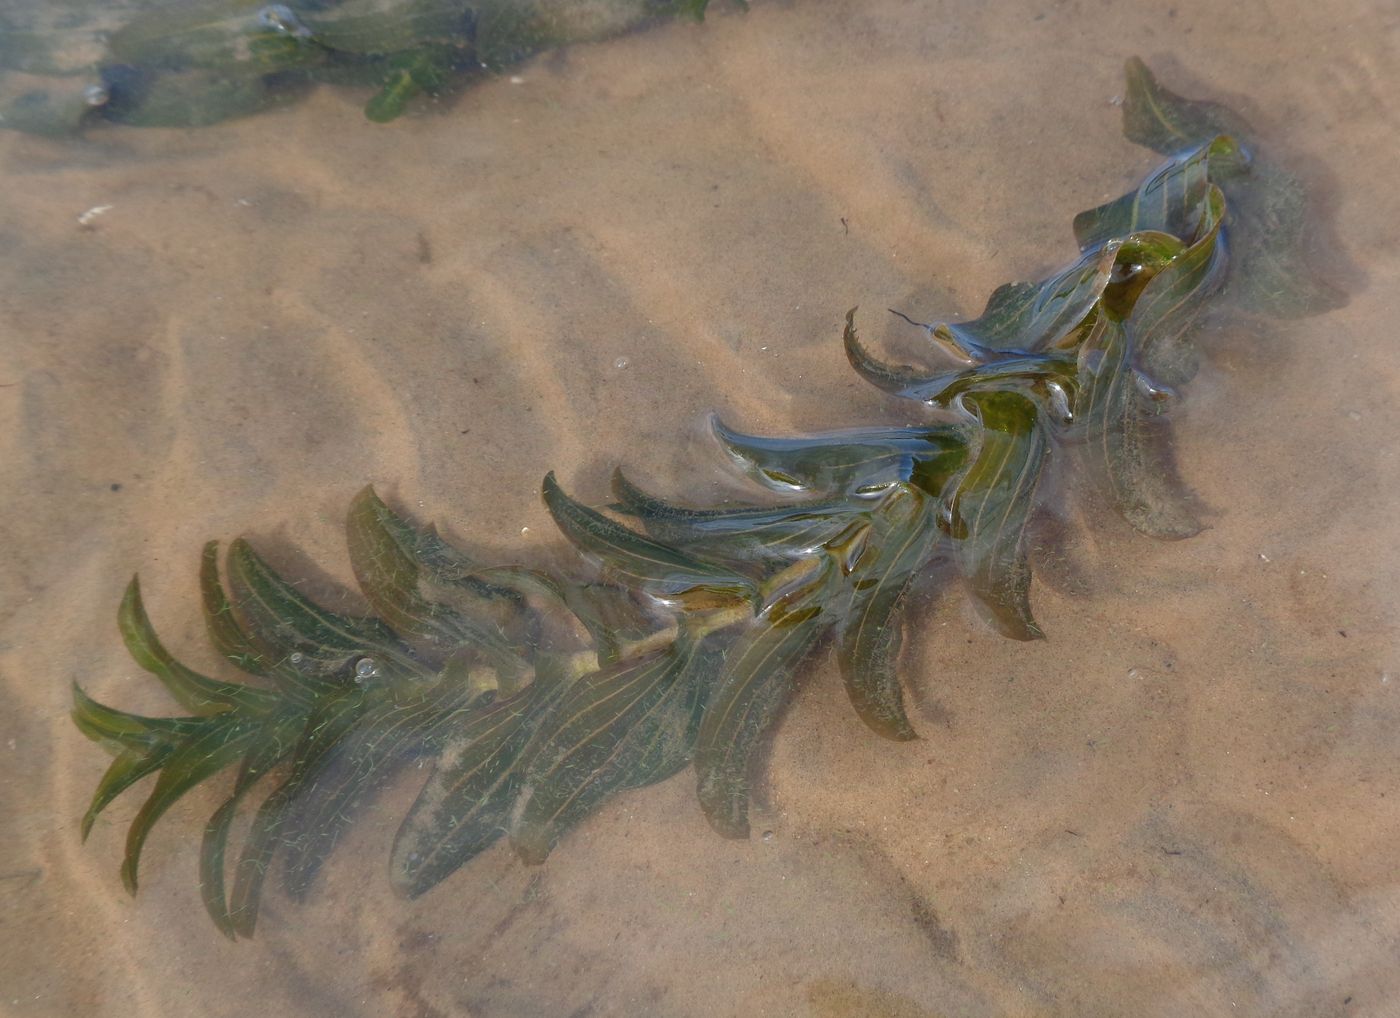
(281, 18)
(621, 363)
(297, 657)
(365, 669)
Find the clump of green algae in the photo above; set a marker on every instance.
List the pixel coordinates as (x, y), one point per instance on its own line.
(536, 697)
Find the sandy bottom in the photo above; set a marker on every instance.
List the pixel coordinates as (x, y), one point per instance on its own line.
(1185, 801)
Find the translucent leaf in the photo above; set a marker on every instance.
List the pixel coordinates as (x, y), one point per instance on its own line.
(334, 716)
(992, 506)
(868, 637)
(1165, 122)
(859, 461)
(750, 533)
(1168, 307)
(224, 740)
(382, 552)
(321, 646)
(1127, 444)
(268, 751)
(357, 766)
(1268, 204)
(465, 804)
(1031, 316)
(1170, 200)
(1015, 369)
(614, 729)
(225, 632)
(756, 682)
(193, 691)
(670, 572)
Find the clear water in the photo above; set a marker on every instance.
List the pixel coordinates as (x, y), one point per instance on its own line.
(1184, 801)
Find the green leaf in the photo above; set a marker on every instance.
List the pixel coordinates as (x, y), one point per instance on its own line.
(464, 806)
(671, 573)
(120, 732)
(868, 637)
(756, 682)
(1032, 316)
(141, 746)
(272, 746)
(224, 740)
(614, 729)
(321, 647)
(1165, 122)
(129, 767)
(1268, 204)
(1170, 200)
(748, 533)
(663, 753)
(858, 462)
(1127, 444)
(225, 633)
(333, 717)
(1013, 369)
(355, 768)
(193, 691)
(992, 505)
(611, 614)
(383, 550)
(1167, 309)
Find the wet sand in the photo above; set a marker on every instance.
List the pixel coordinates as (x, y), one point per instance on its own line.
(1185, 801)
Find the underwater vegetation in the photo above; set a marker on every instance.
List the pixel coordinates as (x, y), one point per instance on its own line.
(186, 63)
(534, 697)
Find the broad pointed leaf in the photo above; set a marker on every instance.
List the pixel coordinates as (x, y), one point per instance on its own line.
(269, 749)
(225, 632)
(1170, 200)
(860, 461)
(335, 715)
(1268, 205)
(1016, 369)
(193, 691)
(993, 503)
(756, 682)
(1032, 316)
(362, 760)
(465, 805)
(321, 645)
(868, 637)
(1165, 122)
(1126, 443)
(612, 730)
(668, 571)
(382, 552)
(225, 739)
(749, 533)
(1167, 309)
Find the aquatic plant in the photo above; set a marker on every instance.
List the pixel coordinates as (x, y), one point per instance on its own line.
(535, 697)
(157, 63)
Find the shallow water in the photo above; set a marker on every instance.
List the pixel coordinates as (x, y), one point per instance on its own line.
(1185, 800)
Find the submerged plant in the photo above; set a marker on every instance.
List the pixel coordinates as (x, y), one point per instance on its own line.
(537, 696)
(187, 63)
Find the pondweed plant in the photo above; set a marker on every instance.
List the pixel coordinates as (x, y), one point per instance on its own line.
(156, 63)
(536, 697)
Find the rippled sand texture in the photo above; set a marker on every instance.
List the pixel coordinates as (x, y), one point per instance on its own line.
(1185, 801)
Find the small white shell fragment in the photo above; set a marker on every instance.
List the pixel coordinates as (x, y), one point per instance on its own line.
(90, 216)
